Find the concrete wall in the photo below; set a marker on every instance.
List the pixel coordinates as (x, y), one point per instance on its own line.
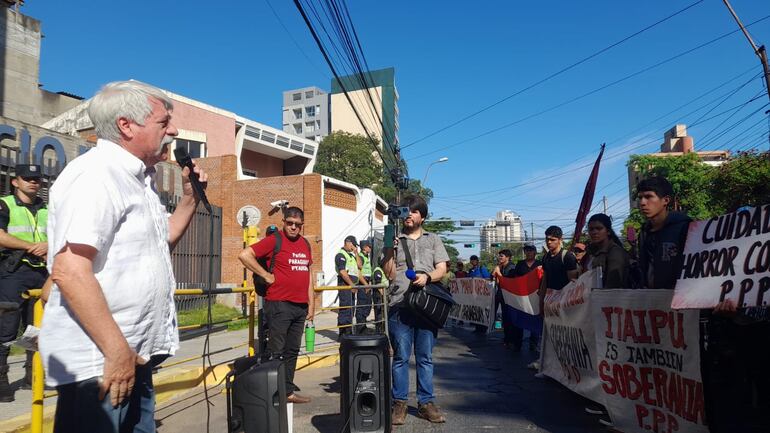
(344, 118)
(31, 134)
(263, 165)
(21, 97)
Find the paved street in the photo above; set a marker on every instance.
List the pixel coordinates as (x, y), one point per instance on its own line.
(480, 385)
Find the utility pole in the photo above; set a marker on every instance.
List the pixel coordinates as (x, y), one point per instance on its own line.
(604, 200)
(532, 231)
(759, 51)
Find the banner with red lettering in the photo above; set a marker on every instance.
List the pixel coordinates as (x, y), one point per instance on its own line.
(475, 299)
(569, 348)
(648, 362)
(726, 257)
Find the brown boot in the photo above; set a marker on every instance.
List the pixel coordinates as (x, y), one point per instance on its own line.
(399, 412)
(430, 412)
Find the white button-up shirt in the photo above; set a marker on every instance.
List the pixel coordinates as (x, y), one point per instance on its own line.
(107, 199)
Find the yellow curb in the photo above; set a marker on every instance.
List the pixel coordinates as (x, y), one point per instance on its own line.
(170, 384)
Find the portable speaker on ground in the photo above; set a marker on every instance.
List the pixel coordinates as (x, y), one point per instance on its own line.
(256, 397)
(365, 401)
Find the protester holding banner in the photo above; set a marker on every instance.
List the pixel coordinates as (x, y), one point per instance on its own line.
(606, 252)
(661, 241)
(505, 268)
(460, 273)
(519, 321)
(476, 270)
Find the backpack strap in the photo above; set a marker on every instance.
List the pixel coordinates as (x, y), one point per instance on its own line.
(276, 249)
(407, 255)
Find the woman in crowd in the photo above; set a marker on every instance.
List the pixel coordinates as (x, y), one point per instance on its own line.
(606, 251)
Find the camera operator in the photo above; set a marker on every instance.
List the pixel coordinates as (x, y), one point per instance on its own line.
(406, 329)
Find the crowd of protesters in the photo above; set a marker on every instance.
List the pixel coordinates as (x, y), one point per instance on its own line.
(734, 342)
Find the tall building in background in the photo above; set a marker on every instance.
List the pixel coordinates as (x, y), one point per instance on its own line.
(306, 113)
(375, 98)
(507, 227)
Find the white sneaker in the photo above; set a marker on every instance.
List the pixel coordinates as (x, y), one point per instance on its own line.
(534, 365)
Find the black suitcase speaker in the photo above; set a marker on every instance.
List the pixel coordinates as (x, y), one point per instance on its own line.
(365, 401)
(256, 397)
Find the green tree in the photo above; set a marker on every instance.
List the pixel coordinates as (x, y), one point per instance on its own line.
(348, 157)
(742, 181)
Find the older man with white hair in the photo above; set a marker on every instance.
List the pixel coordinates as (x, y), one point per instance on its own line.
(110, 316)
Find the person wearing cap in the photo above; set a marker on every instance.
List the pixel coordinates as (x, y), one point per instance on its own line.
(23, 223)
(348, 265)
(364, 296)
(476, 270)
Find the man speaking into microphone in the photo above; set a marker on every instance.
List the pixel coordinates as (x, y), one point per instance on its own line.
(110, 317)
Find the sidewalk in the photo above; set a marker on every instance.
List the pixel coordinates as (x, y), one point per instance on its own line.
(480, 385)
(180, 374)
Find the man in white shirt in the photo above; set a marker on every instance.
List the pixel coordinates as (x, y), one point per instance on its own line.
(110, 316)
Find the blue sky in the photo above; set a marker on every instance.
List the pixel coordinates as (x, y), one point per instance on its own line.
(451, 60)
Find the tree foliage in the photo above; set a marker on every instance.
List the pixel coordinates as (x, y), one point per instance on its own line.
(442, 226)
(703, 191)
(348, 157)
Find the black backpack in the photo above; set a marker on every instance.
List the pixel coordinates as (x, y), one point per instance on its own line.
(260, 285)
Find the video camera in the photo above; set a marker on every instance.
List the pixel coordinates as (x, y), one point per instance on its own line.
(397, 212)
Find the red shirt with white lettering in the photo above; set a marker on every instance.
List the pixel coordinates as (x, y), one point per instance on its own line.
(291, 270)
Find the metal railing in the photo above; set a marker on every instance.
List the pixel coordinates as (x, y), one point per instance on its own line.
(38, 374)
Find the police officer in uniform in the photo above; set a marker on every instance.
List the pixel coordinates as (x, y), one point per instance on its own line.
(348, 265)
(378, 277)
(23, 247)
(364, 296)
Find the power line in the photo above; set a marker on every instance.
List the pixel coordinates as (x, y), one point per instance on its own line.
(585, 95)
(342, 86)
(553, 75)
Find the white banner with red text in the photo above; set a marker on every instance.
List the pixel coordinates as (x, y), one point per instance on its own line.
(569, 348)
(648, 361)
(475, 300)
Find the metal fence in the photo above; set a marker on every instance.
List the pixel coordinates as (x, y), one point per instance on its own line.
(193, 252)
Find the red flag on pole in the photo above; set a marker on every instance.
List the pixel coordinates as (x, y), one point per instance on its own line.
(588, 198)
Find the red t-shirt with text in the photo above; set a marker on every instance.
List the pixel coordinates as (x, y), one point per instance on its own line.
(291, 270)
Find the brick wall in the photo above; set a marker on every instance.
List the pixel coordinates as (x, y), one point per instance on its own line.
(231, 194)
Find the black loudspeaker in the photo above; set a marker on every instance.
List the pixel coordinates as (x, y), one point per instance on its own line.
(365, 371)
(256, 397)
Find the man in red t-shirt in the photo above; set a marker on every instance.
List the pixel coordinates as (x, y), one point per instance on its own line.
(290, 293)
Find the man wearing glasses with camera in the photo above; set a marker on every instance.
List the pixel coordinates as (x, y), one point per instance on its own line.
(23, 247)
(289, 299)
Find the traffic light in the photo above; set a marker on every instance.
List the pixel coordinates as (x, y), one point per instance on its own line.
(469, 245)
(497, 245)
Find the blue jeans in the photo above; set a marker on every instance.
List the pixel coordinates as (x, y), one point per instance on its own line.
(405, 331)
(78, 408)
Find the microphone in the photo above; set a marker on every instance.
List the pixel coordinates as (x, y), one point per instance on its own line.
(184, 160)
(411, 274)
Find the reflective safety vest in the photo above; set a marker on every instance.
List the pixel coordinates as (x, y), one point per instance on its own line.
(384, 278)
(27, 227)
(351, 265)
(366, 269)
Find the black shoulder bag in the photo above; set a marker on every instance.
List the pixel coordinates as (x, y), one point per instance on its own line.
(431, 303)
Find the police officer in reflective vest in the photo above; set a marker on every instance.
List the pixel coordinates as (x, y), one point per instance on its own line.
(23, 248)
(348, 265)
(378, 277)
(364, 296)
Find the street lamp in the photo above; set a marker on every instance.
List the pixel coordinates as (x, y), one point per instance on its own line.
(424, 179)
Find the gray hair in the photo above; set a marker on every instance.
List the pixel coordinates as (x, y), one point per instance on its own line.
(127, 99)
